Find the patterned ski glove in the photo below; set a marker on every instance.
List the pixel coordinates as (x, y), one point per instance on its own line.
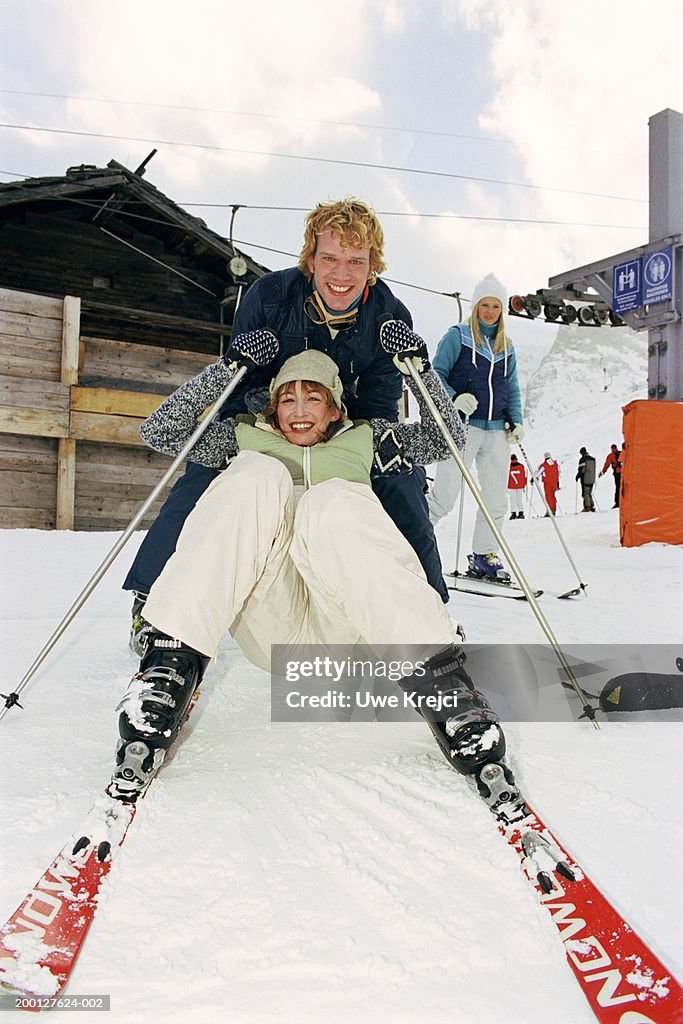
(252, 349)
(401, 343)
(515, 434)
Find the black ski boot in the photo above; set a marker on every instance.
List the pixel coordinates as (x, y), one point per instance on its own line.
(152, 712)
(466, 728)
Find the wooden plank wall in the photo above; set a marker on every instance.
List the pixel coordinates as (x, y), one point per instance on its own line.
(70, 410)
(91, 255)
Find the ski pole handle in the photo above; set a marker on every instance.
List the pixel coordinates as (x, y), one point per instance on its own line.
(401, 343)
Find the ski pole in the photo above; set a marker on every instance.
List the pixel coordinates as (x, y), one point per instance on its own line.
(458, 537)
(12, 699)
(552, 518)
(588, 709)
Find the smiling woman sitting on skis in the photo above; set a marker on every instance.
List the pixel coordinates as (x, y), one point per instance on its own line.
(289, 544)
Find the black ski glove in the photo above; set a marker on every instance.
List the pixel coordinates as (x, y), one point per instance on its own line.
(401, 343)
(252, 349)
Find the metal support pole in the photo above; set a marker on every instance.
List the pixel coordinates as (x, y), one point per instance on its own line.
(12, 698)
(588, 709)
(665, 341)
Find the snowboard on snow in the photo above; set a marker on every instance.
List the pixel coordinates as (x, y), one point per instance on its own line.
(644, 691)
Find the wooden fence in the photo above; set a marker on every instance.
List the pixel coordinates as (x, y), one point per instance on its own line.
(70, 409)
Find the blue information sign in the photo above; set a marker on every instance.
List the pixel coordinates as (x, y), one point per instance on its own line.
(626, 287)
(658, 276)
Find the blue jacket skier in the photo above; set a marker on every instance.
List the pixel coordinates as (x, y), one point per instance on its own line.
(477, 364)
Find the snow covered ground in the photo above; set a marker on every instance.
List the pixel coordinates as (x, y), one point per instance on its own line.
(283, 873)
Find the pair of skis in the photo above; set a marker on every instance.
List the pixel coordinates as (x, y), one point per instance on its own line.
(622, 979)
(468, 583)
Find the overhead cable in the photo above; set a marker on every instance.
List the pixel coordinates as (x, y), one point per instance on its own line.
(317, 159)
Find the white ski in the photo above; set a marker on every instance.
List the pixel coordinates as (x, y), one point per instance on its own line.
(467, 584)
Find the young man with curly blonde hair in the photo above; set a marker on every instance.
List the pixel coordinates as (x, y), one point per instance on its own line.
(333, 301)
(353, 222)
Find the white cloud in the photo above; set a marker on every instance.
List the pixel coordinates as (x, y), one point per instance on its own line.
(289, 65)
(268, 58)
(573, 88)
(567, 90)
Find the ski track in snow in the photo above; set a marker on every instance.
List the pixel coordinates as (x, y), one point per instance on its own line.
(336, 872)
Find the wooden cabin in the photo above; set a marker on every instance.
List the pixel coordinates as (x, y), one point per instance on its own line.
(111, 296)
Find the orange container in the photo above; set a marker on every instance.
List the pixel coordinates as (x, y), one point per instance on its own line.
(651, 500)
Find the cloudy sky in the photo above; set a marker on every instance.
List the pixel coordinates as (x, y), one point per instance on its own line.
(491, 136)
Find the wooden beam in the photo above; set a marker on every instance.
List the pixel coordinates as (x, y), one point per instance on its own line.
(71, 332)
(33, 394)
(28, 302)
(19, 518)
(113, 401)
(28, 454)
(66, 451)
(26, 325)
(92, 426)
(28, 490)
(151, 318)
(35, 422)
(148, 368)
(36, 407)
(19, 358)
(66, 484)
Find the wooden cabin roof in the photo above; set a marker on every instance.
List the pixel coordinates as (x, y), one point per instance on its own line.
(120, 200)
(144, 268)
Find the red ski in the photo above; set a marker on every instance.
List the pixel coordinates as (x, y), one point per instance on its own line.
(622, 979)
(620, 976)
(41, 941)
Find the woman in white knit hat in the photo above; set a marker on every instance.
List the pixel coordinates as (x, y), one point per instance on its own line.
(477, 365)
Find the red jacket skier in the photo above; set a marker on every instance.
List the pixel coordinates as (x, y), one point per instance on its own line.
(549, 473)
(517, 481)
(613, 462)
